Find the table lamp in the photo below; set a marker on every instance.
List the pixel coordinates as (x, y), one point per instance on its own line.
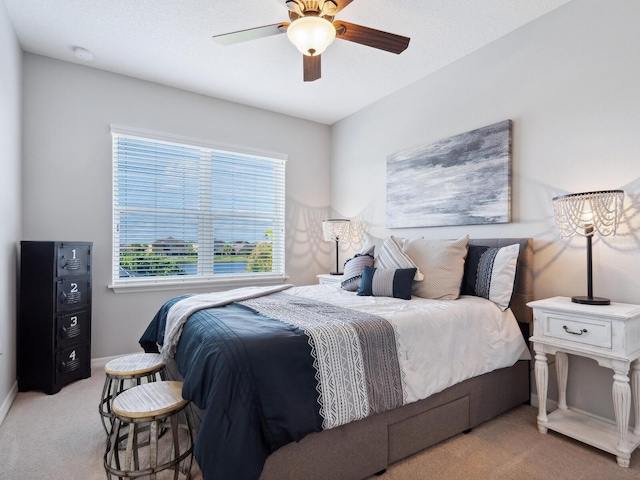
(334, 230)
(585, 214)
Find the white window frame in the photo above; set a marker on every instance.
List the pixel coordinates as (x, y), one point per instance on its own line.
(218, 281)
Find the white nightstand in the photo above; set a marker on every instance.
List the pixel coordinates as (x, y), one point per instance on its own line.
(328, 278)
(609, 334)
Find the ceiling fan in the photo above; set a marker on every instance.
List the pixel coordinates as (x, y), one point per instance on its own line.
(313, 28)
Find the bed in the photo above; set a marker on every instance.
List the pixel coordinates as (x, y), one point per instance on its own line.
(323, 441)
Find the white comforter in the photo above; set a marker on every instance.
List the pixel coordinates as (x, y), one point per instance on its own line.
(440, 343)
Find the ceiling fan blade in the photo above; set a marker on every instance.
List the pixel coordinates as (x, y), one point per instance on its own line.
(311, 66)
(251, 34)
(372, 38)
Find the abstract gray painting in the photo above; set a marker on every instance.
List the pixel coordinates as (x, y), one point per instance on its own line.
(461, 180)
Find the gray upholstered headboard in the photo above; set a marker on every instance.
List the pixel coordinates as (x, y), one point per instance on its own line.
(523, 288)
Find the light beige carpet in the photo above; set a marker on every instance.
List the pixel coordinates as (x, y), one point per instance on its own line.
(60, 437)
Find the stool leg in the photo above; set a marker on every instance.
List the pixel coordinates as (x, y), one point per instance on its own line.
(176, 445)
(120, 387)
(188, 462)
(105, 405)
(129, 452)
(111, 456)
(136, 460)
(153, 448)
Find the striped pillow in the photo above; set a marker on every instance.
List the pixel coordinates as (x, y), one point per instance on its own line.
(490, 273)
(391, 257)
(380, 282)
(353, 270)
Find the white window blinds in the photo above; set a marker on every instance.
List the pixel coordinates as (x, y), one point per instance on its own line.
(185, 211)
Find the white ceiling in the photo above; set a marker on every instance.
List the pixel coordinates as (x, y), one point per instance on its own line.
(169, 42)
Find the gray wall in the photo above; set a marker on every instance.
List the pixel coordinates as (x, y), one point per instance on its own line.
(10, 201)
(569, 81)
(67, 173)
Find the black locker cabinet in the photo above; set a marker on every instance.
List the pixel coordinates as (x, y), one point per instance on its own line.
(54, 320)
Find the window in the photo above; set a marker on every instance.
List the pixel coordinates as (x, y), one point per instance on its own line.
(186, 211)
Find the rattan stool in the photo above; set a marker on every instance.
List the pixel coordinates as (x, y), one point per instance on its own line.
(131, 368)
(150, 407)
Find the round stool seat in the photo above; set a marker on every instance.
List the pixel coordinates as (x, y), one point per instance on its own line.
(153, 409)
(150, 400)
(137, 364)
(129, 368)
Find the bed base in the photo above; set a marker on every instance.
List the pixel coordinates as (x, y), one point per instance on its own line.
(367, 447)
(364, 448)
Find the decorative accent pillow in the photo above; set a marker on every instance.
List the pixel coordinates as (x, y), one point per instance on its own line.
(380, 282)
(471, 264)
(391, 257)
(490, 273)
(371, 242)
(442, 262)
(353, 270)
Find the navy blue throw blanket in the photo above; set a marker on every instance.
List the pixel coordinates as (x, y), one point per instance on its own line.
(255, 380)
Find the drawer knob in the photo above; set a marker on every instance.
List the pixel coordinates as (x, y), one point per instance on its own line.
(566, 329)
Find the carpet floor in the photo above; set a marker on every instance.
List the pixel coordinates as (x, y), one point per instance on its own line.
(60, 437)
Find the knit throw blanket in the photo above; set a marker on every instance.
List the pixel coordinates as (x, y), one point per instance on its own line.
(355, 355)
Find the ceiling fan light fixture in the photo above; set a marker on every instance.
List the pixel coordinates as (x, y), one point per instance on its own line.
(311, 35)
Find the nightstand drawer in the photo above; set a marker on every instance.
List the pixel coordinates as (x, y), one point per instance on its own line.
(577, 329)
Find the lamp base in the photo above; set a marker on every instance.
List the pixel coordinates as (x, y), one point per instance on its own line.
(336, 273)
(591, 300)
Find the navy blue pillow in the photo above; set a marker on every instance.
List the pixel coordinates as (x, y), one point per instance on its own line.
(471, 264)
(381, 282)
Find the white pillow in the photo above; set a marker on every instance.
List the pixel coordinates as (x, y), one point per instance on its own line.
(371, 241)
(492, 274)
(391, 257)
(442, 262)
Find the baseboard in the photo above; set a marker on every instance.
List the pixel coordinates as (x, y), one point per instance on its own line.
(6, 405)
(13, 393)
